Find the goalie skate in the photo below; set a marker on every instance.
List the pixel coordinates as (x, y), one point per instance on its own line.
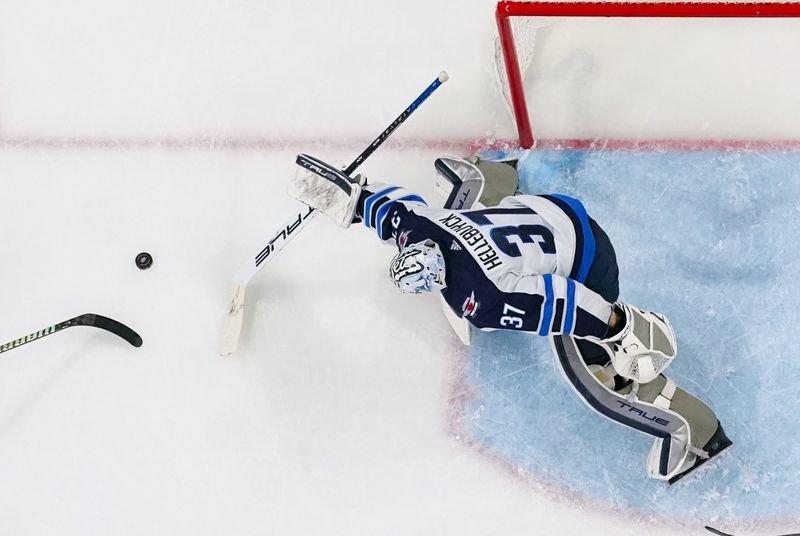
(718, 443)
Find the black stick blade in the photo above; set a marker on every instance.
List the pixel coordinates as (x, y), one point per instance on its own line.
(112, 326)
(720, 533)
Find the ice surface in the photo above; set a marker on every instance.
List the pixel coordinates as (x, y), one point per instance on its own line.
(709, 238)
(349, 410)
(332, 418)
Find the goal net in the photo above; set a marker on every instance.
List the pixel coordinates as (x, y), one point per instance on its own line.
(686, 72)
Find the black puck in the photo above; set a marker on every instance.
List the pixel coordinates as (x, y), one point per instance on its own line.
(144, 260)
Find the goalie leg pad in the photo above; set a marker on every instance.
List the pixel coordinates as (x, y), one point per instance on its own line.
(684, 429)
(690, 445)
(718, 443)
(644, 347)
(325, 188)
(703, 438)
(502, 180)
(458, 181)
(465, 182)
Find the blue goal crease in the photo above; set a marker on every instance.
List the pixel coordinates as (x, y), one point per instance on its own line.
(707, 238)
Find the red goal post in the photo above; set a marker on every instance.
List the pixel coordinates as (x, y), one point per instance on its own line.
(506, 10)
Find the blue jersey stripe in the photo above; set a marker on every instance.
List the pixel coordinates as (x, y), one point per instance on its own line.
(569, 314)
(380, 215)
(370, 200)
(384, 209)
(547, 314)
(584, 242)
(413, 197)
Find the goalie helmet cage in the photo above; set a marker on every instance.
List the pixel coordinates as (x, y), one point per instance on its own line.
(546, 12)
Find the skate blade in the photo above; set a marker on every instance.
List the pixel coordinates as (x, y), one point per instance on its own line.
(699, 464)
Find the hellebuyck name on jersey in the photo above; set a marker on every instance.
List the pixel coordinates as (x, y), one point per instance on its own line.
(474, 239)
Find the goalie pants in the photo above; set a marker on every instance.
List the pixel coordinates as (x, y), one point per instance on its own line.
(677, 420)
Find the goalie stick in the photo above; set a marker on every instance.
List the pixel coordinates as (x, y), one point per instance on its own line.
(235, 313)
(98, 321)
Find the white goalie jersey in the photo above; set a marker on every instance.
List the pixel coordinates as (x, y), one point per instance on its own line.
(519, 265)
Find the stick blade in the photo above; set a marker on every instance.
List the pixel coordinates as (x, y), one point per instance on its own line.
(112, 326)
(232, 328)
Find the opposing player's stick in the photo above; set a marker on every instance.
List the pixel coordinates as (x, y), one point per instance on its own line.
(98, 321)
(720, 533)
(235, 314)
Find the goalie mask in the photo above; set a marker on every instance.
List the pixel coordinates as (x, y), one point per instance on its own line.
(418, 268)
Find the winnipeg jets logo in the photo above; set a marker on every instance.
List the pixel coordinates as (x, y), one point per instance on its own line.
(455, 247)
(402, 240)
(470, 306)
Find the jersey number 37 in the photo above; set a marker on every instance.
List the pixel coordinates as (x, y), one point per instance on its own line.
(508, 238)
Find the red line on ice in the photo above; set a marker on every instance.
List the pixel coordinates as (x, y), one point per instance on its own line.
(216, 143)
(460, 146)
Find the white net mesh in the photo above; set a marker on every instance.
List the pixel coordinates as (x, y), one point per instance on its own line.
(664, 78)
(525, 30)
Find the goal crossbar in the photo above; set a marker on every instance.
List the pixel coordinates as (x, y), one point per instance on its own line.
(509, 9)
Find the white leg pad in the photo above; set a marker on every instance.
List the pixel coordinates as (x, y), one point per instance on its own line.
(644, 347)
(668, 457)
(664, 399)
(459, 182)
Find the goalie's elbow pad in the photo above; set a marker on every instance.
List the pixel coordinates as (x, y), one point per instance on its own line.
(376, 200)
(644, 347)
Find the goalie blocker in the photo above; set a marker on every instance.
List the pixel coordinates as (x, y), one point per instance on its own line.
(326, 189)
(461, 183)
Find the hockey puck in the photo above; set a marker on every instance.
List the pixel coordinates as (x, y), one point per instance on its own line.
(144, 260)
